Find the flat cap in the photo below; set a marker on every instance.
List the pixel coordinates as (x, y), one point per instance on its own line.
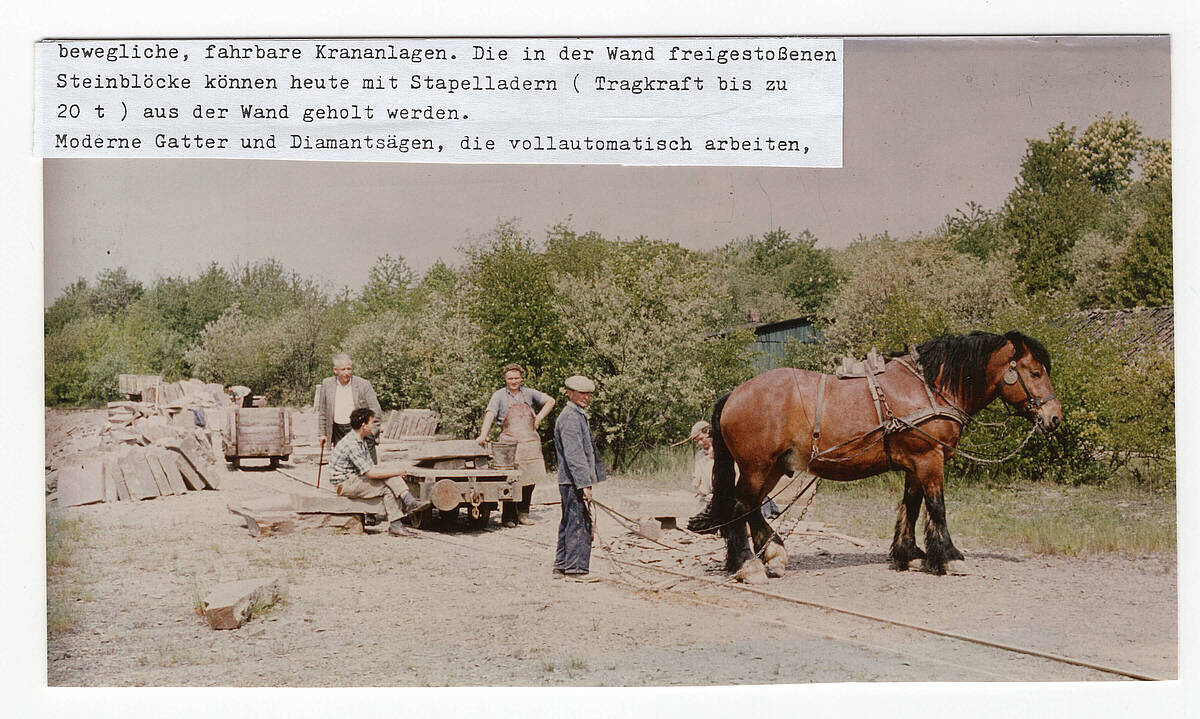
(697, 429)
(579, 383)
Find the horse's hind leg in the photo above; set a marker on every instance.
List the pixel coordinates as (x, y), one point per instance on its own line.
(904, 543)
(737, 545)
(768, 545)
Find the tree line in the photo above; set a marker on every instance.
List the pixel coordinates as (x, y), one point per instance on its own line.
(1086, 225)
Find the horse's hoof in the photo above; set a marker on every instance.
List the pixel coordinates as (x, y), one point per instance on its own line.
(752, 572)
(933, 567)
(777, 560)
(958, 566)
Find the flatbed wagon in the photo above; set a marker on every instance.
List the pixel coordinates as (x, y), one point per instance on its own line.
(458, 476)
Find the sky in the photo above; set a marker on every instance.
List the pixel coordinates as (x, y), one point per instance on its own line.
(930, 124)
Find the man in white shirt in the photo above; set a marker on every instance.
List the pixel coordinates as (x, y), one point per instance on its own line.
(340, 395)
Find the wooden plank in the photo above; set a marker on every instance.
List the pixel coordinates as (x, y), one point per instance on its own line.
(160, 476)
(81, 482)
(228, 605)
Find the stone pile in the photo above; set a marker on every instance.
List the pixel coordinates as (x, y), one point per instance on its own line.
(159, 445)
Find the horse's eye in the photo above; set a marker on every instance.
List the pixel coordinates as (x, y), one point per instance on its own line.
(1035, 374)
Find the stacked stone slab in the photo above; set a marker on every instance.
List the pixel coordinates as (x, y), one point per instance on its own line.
(126, 472)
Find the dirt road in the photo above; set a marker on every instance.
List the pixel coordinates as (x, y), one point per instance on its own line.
(481, 608)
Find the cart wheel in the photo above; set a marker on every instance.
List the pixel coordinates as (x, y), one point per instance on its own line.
(448, 517)
(481, 522)
(422, 519)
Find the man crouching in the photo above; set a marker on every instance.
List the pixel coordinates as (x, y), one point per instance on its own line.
(356, 475)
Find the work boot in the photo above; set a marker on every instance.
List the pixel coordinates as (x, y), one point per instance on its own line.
(412, 505)
(523, 518)
(396, 529)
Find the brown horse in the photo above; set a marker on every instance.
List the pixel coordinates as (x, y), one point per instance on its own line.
(907, 418)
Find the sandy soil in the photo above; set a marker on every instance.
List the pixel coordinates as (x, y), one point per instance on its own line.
(481, 608)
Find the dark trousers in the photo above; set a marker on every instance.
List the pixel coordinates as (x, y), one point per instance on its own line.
(574, 551)
(510, 510)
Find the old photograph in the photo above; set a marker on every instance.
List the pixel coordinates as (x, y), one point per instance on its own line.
(910, 419)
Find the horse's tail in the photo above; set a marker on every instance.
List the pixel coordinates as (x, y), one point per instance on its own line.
(720, 507)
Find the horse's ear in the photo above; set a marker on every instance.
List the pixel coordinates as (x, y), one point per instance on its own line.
(1018, 342)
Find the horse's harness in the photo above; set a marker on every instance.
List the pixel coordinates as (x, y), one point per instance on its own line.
(890, 424)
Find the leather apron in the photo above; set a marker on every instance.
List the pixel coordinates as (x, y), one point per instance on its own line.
(518, 427)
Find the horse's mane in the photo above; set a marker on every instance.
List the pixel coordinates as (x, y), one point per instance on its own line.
(961, 360)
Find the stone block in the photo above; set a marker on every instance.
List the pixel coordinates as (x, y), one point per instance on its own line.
(170, 467)
(81, 482)
(229, 605)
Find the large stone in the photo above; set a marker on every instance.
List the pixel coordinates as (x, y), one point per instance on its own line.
(196, 472)
(190, 478)
(229, 605)
(268, 523)
(137, 476)
(166, 460)
(160, 476)
(81, 482)
(114, 476)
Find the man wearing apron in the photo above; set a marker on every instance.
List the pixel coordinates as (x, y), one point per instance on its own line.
(514, 406)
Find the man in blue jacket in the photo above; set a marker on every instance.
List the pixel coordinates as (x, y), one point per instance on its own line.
(579, 469)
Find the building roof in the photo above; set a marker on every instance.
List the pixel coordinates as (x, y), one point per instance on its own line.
(1149, 326)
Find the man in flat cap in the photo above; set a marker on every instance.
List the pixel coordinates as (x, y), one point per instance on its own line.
(579, 469)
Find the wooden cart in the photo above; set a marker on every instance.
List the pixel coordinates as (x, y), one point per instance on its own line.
(257, 433)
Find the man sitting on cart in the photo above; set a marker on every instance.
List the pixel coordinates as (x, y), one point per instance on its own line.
(355, 474)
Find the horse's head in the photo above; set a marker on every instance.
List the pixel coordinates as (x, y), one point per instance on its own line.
(1021, 372)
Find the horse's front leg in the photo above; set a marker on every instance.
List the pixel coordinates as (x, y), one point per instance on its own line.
(938, 548)
(904, 543)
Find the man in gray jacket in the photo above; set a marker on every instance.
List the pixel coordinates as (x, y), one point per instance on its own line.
(340, 395)
(579, 469)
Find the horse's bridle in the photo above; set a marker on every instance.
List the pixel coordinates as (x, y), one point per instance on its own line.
(1032, 403)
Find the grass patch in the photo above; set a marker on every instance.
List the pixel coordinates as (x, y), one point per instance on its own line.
(1121, 518)
(165, 655)
(65, 540)
(197, 592)
(662, 468)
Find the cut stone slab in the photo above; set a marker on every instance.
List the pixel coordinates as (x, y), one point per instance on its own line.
(137, 476)
(315, 504)
(114, 476)
(170, 466)
(154, 429)
(190, 450)
(190, 478)
(228, 605)
(273, 523)
(81, 482)
(160, 476)
(665, 509)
